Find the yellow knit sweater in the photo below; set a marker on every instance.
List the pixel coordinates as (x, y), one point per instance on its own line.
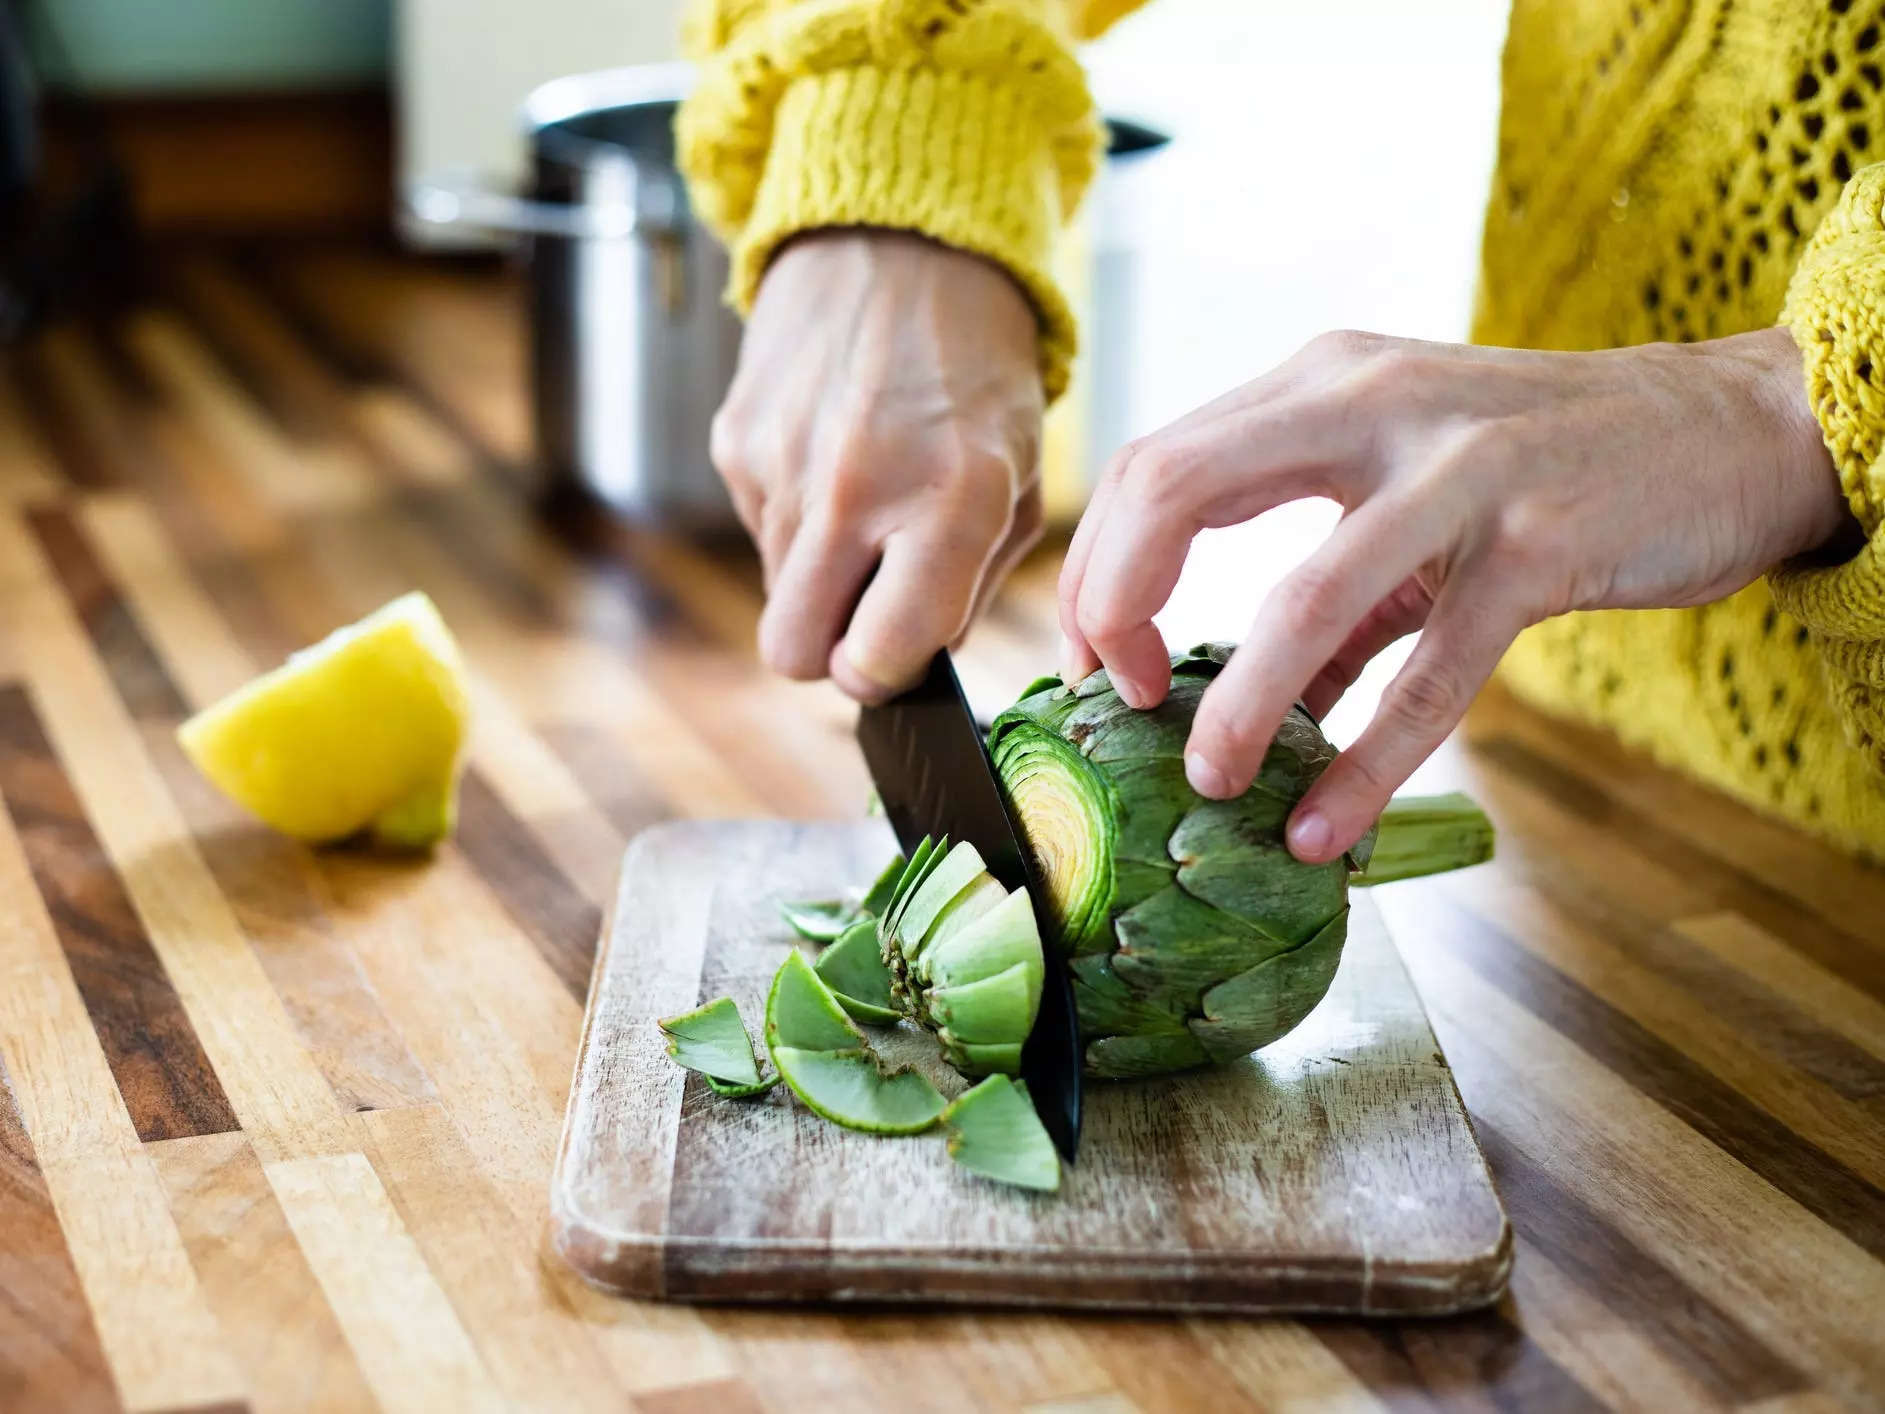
(1666, 170)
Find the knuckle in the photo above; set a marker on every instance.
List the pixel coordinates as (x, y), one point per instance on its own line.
(1099, 622)
(1307, 602)
(977, 499)
(1363, 770)
(1424, 701)
(1388, 370)
(1528, 538)
(727, 443)
(1153, 471)
(1341, 346)
(788, 654)
(1029, 523)
(849, 488)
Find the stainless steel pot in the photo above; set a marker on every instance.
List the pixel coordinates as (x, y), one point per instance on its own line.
(631, 345)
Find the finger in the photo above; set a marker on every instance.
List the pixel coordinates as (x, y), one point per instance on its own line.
(1023, 536)
(1396, 616)
(917, 602)
(1077, 658)
(1302, 623)
(1468, 631)
(810, 599)
(1284, 420)
(726, 449)
(1138, 550)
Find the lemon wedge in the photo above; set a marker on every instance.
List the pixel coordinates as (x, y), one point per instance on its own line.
(362, 732)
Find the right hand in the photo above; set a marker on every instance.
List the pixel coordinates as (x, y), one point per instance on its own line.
(886, 418)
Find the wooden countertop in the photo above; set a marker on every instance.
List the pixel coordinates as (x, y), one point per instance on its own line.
(277, 1126)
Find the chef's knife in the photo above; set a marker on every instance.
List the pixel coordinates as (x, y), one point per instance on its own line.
(933, 774)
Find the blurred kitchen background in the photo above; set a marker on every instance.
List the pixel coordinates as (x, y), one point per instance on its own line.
(1326, 167)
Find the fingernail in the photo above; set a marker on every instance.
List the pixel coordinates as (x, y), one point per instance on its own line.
(1309, 835)
(1133, 695)
(1205, 778)
(1069, 661)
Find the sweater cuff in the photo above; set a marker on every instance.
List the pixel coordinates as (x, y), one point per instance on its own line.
(1842, 608)
(960, 158)
(1836, 310)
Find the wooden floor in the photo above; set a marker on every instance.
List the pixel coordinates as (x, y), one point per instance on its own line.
(276, 1126)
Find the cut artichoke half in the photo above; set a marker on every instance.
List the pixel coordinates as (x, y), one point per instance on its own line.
(853, 967)
(994, 1131)
(712, 1040)
(1192, 934)
(824, 920)
(964, 957)
(825, 1060)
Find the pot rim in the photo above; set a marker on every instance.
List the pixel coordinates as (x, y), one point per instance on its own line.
(558, 100)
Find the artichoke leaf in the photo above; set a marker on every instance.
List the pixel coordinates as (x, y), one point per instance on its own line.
(961, 867)
(712, 1039)
(1108, 1007)
(1174, 947)
(995, 1132)
(819, 920)
(973, 1058)
(1267, 1002)
(1132, 1057)
(850, 1088)
(1231, 854)
(853, 967)
(994, 1009)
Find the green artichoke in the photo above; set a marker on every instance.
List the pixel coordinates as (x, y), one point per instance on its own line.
(1192, 934)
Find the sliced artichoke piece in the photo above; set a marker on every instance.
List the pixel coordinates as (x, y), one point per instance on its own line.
(823, 920)
(824, 1058)
(982, 896)
(990, 1011)
(883, 888)
(986, 1058)
(1192, 933)
(740, 1092)
(819, 920)
(853, 967)
(712, 1040)
(851, 1088)
(993, 942)
(994, 1131)
(950, 934)
(927, 854)
(802, 1012)
(960, 868)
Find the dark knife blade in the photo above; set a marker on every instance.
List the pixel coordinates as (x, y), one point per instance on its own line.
(933, 774)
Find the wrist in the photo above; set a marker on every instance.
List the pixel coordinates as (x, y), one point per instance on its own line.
(1818, 517)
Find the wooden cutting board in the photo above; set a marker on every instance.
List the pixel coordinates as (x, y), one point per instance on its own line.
(1335, 1172)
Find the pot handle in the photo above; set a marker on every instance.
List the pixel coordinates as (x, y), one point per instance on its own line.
(464, 200)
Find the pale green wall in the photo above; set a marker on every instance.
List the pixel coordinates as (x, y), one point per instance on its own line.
(195, 45)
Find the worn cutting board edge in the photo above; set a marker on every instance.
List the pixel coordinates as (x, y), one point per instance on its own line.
(654, 1262)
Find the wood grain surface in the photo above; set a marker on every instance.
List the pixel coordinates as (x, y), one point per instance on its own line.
(1335, 1174)
(276, 1127)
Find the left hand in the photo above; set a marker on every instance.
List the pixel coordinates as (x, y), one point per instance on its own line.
(1482, 490)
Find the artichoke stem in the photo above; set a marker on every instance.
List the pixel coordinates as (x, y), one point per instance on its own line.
(1427, 834)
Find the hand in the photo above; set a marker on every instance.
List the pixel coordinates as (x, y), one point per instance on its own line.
(885, 417)
(1482, 491)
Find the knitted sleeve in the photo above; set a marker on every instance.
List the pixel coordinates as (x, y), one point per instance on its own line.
(1836, 310)
(966, 120)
